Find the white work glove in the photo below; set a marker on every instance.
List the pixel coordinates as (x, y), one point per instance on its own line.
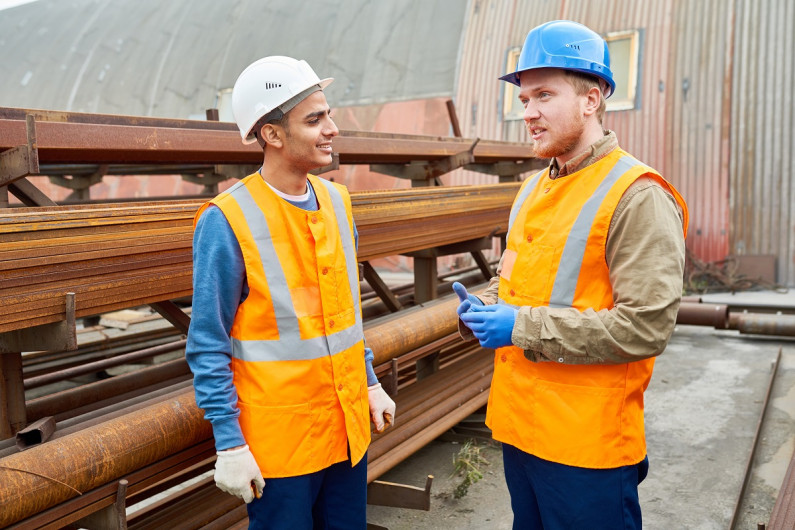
(237, 473)
(382, 408)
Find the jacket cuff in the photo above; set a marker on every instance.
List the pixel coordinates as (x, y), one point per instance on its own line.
(228, 434)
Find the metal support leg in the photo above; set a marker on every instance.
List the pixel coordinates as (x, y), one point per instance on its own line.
(400, 495)
(426, 282)
(111, 517)
(12, 398)
(380, 288)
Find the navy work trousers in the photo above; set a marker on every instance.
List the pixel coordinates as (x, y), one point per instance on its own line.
(334, 498)
(550, 496)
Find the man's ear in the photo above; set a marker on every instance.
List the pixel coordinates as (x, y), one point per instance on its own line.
(272, 135)
(593, 98)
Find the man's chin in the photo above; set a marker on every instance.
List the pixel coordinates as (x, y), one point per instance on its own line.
(544, 151)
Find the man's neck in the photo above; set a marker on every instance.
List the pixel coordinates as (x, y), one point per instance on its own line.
(597, 150)
(287, 180)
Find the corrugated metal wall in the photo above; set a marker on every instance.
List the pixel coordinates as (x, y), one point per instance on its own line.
(715, 106)
(762, 142)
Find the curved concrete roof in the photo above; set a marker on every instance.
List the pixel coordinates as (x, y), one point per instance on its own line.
(170, 59)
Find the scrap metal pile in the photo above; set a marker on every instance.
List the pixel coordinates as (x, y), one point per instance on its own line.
(85, 451)
(132, 450)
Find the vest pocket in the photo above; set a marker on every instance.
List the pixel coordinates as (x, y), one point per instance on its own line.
(279, 437)
(577, 425)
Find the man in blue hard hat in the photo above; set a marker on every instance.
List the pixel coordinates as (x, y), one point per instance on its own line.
(586, 296)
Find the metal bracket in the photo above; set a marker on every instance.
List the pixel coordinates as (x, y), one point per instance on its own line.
(400, 495)
(80, 184)
(390, 383)
(54, 336)
(36, 433)
(381, 289)
(29, 194)
(228, 171)
(113, 517)
(171, 312)
(483, 264)
(508, 171)
(22, 160)
(427, 171)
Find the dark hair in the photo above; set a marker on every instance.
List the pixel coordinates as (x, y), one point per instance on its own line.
(276, 117)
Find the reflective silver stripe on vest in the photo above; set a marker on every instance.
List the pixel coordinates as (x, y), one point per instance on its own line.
(290, 346)
(574, 250)
(517, 204)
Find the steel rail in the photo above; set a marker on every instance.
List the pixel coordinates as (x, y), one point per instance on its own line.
(59, 142)
(106, 257)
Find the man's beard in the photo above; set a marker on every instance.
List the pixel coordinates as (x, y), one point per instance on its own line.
(562, 145)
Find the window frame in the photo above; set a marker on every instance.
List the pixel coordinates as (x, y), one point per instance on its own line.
(629, 102)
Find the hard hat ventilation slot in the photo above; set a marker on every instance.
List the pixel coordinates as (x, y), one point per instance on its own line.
(269, 86)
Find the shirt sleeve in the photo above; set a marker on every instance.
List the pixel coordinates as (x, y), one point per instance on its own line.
(218, 286)
(368, 353)
(645, 255)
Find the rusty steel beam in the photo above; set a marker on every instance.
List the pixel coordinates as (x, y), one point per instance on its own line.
(65, 142)
(113, 257)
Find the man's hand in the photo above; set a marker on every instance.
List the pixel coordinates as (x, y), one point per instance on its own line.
(382, 408)
(237, 473)
(467, 300)
(492, 325)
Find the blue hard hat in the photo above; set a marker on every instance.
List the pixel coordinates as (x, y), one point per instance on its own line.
(567, 45)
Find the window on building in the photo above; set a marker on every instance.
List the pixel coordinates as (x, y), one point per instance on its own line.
(624, 48)
(624, 53)
(511, 106)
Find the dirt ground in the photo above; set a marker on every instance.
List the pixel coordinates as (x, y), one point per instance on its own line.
(485, 505)
(703, 407)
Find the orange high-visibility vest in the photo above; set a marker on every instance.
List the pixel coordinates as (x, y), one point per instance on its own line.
(588, 415)
(297, 339)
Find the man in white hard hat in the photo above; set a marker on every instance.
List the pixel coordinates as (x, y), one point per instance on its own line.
(586, 296)
(276, 343)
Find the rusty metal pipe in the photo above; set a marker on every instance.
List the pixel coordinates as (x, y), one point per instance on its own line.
(97, 366)
(56, 471)
(763, 324)
(455, 408)
(715, 315)
(438, 402)
(164, 392)
(414, 328)
(111, 449)
(74, 398)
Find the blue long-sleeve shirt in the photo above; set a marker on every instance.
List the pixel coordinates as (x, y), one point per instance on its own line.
(219, 287)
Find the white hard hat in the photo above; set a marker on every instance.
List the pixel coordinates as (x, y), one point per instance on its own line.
(274, 82)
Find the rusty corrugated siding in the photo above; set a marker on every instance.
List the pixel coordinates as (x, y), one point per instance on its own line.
(762, 143)
(701, 44)
(680, 124)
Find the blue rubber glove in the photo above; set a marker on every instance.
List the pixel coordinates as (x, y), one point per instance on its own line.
(467, 300)
(492, 325)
